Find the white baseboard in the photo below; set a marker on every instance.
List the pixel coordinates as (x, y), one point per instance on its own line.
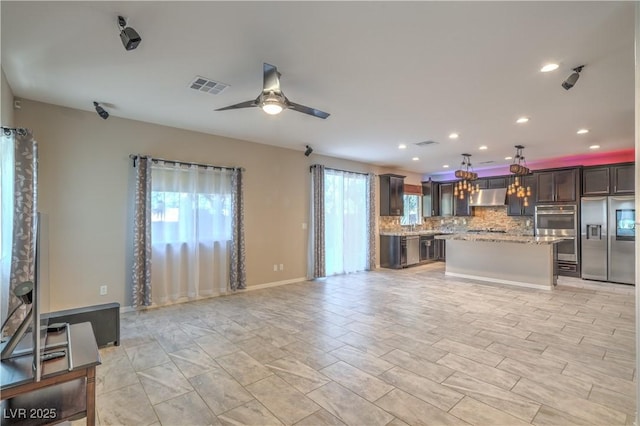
(273, 284)
(499, 281)
(125, 309)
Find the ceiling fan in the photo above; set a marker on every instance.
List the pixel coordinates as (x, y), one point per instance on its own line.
(272, 100)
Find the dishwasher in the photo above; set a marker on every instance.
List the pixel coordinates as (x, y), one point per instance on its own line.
(413, 249)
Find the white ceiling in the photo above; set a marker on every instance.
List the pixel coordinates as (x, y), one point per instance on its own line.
(388, 72)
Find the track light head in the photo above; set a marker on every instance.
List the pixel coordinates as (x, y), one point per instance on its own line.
(129, 37)
(101, 112)
(308, 151)
(573, 78)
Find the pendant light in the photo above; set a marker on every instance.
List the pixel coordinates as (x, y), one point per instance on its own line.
(466, 176)
(518, 168)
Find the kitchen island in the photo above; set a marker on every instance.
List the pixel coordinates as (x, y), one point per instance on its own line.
(525, 261)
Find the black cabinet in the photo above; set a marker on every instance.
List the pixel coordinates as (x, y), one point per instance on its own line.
(595, 181)
(393, 251)
(515, 205)
(430, 199)
(616, 179)
(492, 182)
(461, 206)
(557, 186)
(623, 179)
(451, 205)
(391, 195)
(446, 199)
(441, 252)
(427, 248)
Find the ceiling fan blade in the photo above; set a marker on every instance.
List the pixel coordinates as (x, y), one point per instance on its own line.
(308, 110)
(271, 79)
(247, 104)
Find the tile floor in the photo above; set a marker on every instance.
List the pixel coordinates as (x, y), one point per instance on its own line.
(379, 348)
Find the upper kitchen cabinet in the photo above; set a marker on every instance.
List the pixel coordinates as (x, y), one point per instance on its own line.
(557, 186)
(446, 199)
(623, 179)
(515, 205)
(430, 199)
(615, 179)
(595, 181)
(461, 206)
(451, 205)
(391, 195)
(492, 182)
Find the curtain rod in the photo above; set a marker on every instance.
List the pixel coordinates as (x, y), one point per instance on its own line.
(134, 157)
(20, 130)
(339, 170)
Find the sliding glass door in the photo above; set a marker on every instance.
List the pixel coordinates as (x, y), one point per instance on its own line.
(346, 235)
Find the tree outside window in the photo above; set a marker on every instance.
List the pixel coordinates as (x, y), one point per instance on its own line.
(412, 210)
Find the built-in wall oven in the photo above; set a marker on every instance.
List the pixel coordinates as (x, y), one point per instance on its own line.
(559, 221)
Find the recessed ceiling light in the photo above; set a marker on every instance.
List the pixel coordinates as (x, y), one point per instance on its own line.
(549, 67)
(594, 147)
(522, 120)
(482, 147)
(402, 146)
(445, 166)
(454, 136)
(508, 158)
(415, 159)
(582, 131)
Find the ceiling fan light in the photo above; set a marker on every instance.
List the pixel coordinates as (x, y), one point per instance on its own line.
(272, 108)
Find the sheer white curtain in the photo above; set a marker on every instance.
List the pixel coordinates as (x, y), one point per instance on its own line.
(191, 230)
(6, 216)
(346, 218)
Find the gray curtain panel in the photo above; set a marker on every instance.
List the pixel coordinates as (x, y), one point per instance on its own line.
(317, 262)
(237, 274)
(142, 233)
(371, 222)
(23, 251)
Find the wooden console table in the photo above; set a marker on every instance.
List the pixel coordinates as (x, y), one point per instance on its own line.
(62, 393)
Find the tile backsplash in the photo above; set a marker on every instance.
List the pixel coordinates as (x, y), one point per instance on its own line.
(483, 218)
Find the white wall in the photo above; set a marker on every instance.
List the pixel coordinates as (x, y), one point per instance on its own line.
(6, 101)
(637, 183)
(84, 196)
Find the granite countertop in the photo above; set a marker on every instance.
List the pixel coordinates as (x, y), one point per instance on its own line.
(499, 238)
(419, 232)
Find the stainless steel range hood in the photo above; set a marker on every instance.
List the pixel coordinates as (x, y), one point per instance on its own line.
(489, 197)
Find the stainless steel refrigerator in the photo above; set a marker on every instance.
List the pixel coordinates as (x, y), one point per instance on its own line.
(607, 232)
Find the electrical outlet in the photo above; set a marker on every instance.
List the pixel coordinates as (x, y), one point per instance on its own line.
(304, 225)
(103, 290)
(282, 267)
(275, 267)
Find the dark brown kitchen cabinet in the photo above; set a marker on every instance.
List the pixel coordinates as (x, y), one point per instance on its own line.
(450, 205)
(557, 186)
(623, 179)
(515, 205)
(498, 182)
(393, 251)
(430, 199)
(446, 199)
(615, 179)
(491, 182)
(461, 206)
(391, 195)
(595, 181)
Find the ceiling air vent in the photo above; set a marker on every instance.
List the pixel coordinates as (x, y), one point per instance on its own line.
(202, 84)
(487, 162)
(426, 143)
